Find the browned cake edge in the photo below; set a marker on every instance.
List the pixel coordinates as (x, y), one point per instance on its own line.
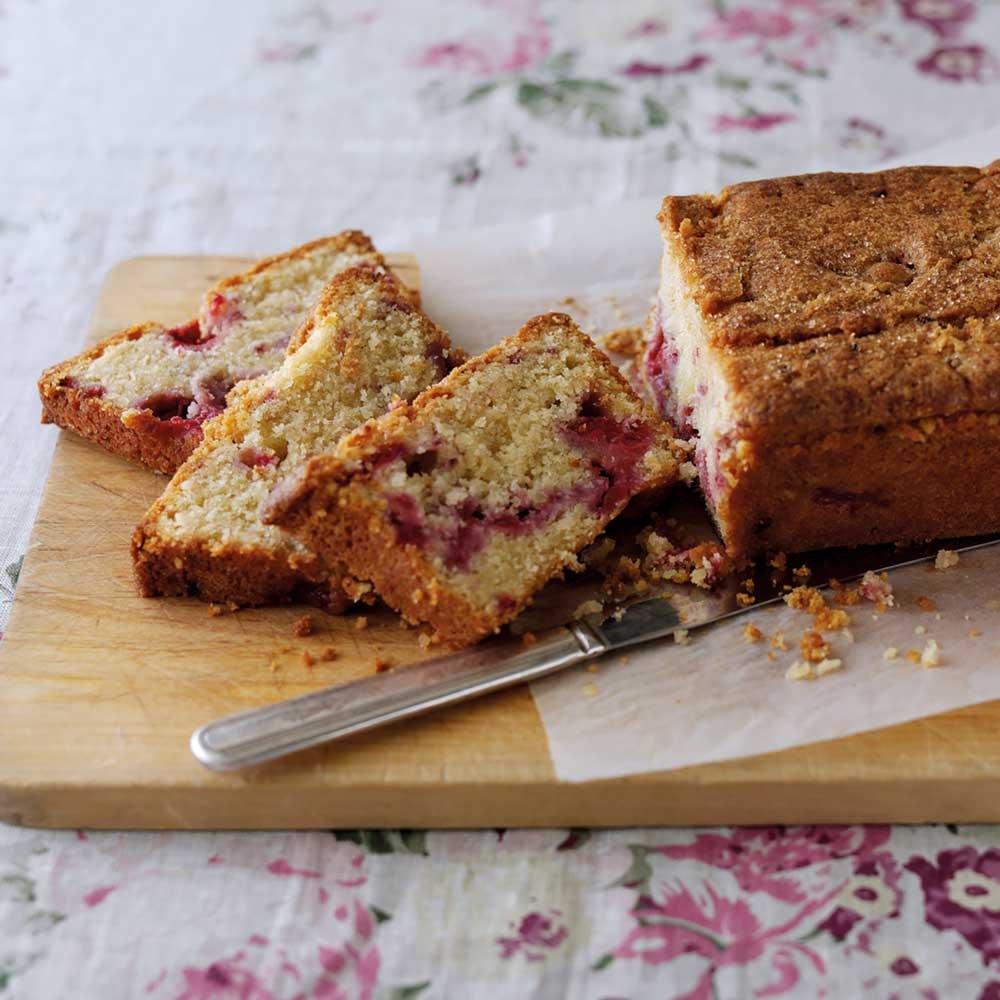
(101, 422)
(359, 534)
(241, 575)
(910, 481)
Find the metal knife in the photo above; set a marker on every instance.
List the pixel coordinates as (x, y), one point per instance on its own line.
(332, 713)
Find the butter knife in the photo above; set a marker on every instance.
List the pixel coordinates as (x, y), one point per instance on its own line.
(272, 731)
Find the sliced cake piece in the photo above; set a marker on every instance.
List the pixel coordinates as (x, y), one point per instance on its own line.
(365, 347)
(460, 505)
(144, 393)
(831, 346)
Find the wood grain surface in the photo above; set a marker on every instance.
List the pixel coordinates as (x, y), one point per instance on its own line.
(102, 689)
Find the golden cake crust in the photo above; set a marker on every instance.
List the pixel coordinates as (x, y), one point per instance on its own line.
(328, 504)
(106, 423)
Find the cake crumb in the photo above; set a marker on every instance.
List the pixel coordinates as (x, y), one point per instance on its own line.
(814, 647)
(304, 626)
(875, 587)
(307, 658)
(329, 655)
(802, 573)
(974, 633)
(744, 600)
(216, 610)
(361, 623)
(589, 689)
(925, 604)
(800, 671)
(771, 656)
(681, 636)
(913, 656)
(751, 633)
(930, 657)
(778, 641)
(831, 619)
(890, 653)
(779, 562)
(946, 559)
(805, 599)
(919, 630)
(529, 639)
(627, 340)
(588, 608)
(381, 665)
(828, 666)
(591, 668)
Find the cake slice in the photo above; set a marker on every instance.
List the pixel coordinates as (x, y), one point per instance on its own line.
(364, 348)
(830, 344)
(462, 504)
(144, 393)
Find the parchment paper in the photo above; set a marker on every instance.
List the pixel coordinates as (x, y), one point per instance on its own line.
(670, 706)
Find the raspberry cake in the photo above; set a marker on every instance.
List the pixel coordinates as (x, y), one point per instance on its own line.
(145, 393)
(460, 505)
(365, 347)
(831, 345)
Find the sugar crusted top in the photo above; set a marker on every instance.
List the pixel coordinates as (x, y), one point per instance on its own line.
(835, 300)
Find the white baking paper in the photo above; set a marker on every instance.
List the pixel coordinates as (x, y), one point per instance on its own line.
(670, 706)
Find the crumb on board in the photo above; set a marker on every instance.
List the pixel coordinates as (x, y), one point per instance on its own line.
(771, 656)
(805, 599)
(751, 633)
(814, 647)
(778, 641)
(307, 658)
(381, 664)
(587, 608)
(800, 671)
(591, 668)
(216, 610)
(931, 655)
(306, 625)
(623, 660)
(779, 561)
(681, 636)
(946, 559)
(913, 655)
(831, 619)
(890, 653)
(328, 655)
(875, 587)
(920, 630)
(828, 666)
(744, 600)
(625, 340)
(361, 623)
(974, 633)
(529, 639)
(925, 603)
(802, 573)
(589, 689)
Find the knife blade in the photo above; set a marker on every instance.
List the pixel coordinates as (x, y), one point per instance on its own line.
(332, 713)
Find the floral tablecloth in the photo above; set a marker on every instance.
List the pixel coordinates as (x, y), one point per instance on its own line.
(250, 126)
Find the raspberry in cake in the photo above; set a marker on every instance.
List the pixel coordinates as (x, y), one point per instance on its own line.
(459, 506)
(146, 392)
(830, 344)
(364, 348)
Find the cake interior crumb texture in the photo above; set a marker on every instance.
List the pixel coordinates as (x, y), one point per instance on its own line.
(459, 506)
(146, 392)
(831, 345)
(364, 348)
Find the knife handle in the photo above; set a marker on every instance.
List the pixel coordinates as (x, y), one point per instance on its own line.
(262, 734)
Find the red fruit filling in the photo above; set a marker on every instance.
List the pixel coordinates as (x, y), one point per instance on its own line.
(277, 345)
(222, 311)
(188, 337)
(442, 363)
(255, 458)
(87, 391)
(457, 532)
(615, 448)
(660, 364)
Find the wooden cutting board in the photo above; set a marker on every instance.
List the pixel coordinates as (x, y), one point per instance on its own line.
(102, 689)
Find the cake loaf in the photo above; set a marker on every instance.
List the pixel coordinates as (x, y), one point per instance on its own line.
(364, 348)
(462, 504)
(831, 345)
(144, 393)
